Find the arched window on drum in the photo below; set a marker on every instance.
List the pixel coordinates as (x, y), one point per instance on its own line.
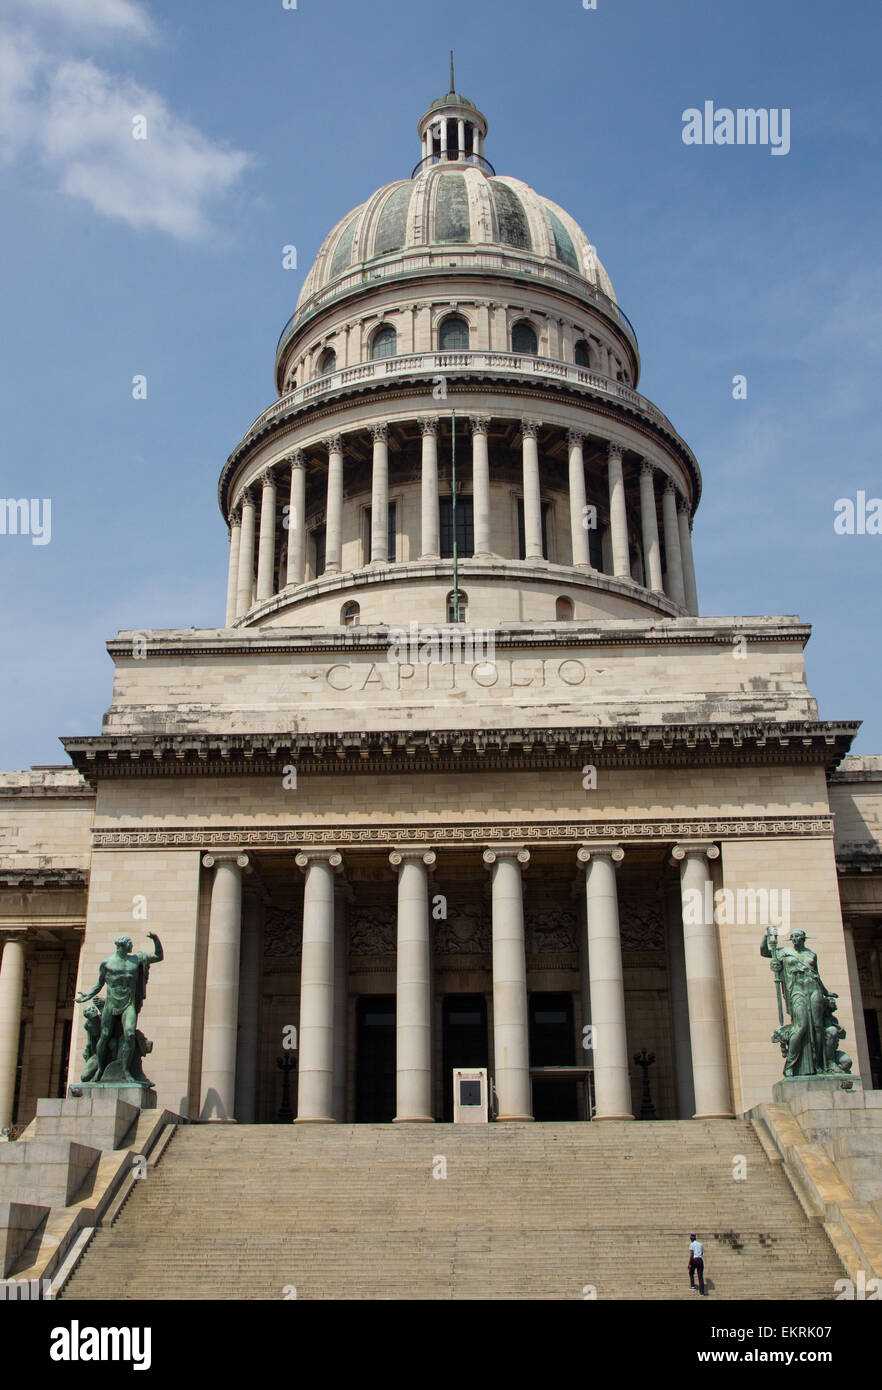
(453, 334)
(384, 343)
(523, 338)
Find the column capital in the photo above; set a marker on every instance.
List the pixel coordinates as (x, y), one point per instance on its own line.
(233, 856)
(575, 438)
(694, 847)
(404, 855)
(236, 515)
(614, 448)
(297, 459)
(671, 486)
(683, 505)
(380, 433)
(599, 849)
(495, 852)
(429, 425)
(530, 428)
(333, 444)
(246, 498)
(305, 857)
(647, 467)
(268, 478)
(479, 423)
(8, 934)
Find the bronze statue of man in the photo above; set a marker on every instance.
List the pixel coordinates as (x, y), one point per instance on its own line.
(804, 1041)
(124, 978)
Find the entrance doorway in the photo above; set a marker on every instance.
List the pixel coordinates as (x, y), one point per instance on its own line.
(464, 1034)
(375, 1065)
(552, 1044)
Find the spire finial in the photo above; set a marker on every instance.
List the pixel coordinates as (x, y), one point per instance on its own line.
(452, 88)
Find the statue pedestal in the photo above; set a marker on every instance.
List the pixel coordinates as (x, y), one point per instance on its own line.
(105, 1117)
(144, 1097)
(825, 1086)
(824, 1106)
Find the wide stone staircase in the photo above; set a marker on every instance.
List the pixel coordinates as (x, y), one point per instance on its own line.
(548, 1211)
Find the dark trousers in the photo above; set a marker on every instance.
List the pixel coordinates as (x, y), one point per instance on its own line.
(696, 1266)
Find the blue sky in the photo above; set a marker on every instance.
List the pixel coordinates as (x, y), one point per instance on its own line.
(265, 125)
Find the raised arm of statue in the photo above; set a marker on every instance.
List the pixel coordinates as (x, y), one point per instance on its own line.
(81, 998)
(154, 960)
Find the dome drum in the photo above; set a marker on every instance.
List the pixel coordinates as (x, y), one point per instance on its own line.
(546, 506)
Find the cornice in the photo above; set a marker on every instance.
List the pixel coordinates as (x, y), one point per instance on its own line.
(12, 877)
(676, 632)
(859, 859)
(478, 750)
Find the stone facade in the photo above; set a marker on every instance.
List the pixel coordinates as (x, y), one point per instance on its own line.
(347, 817)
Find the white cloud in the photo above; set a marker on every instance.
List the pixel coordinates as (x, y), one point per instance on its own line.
(76, 118)
(20, 63)
(164, 181)
(112, 17)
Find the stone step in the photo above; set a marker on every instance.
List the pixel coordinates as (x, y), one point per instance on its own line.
(526, 1211)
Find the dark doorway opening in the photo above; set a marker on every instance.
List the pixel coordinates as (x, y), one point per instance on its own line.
(874, 1047)
(464, 1033)
(552, 1044)
(375, 1059)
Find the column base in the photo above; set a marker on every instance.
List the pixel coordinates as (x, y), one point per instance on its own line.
(414, 1120)
(595, 1118)
(514, 1119)
(715, 1115)
(315, 1120)
(218, 1120)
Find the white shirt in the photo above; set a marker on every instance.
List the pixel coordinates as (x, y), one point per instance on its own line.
(697, 1249)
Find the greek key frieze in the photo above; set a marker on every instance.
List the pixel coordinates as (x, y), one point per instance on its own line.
(451, 834)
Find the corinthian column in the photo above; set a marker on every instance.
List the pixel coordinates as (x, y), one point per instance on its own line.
(511, 1040)
(532, 498)
(297, 519)
(380, 497)
(652, 570)
(221, 1018)
(430, 510)
(334, 509)
(710, 1069)
(689, 587)
(413, 999)
(315, 1081)
(233, 573)
(612, 1085)
(676, 588)
(578, 499)
(245, 582)
(11, 986)
(266, 547)
(481, 483)
(618, 515)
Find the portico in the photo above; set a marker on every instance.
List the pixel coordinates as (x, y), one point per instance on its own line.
(515, 942)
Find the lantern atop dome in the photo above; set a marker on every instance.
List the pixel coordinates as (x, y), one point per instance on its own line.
(452, 131)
